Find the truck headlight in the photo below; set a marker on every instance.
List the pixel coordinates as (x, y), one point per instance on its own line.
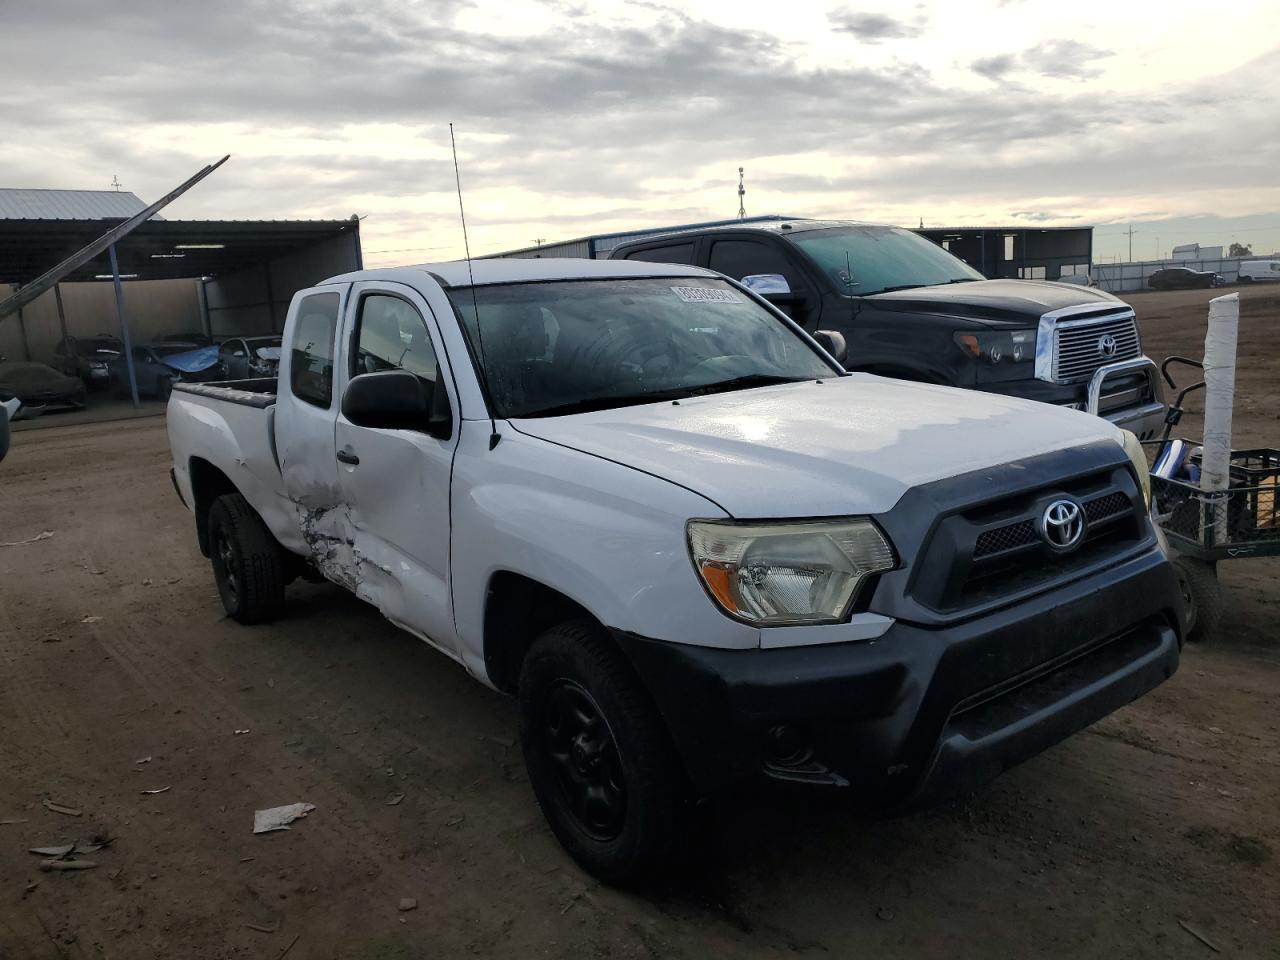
(1014, 346)
(771, 574)
(1138, 457)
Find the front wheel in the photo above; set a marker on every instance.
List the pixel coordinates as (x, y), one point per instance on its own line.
(1201, 596)
(599, 759)
(247, 563)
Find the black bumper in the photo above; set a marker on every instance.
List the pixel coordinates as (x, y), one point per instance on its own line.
(922, 713)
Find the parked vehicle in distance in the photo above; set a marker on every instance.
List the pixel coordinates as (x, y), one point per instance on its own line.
(1184, 278)
(244, 358)
(909, 309)
(645, 503)
(158, 366)
(1251, 270)
(40, 385)
(88, 358)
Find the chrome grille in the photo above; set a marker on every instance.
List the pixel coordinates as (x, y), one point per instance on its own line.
(1076, 355)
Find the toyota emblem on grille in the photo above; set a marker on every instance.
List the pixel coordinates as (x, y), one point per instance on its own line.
(1062, 525)
(1107, 345)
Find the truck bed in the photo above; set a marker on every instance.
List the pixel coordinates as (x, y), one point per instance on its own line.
(259, 392)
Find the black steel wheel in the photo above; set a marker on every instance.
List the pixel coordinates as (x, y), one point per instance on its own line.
(580, 744)
(599, 758)
(1201, 597)
(248, 565)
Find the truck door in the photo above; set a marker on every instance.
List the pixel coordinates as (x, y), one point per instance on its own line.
(305, 414)
(396, 482)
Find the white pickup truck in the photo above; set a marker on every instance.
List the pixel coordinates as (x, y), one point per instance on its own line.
(643, 501)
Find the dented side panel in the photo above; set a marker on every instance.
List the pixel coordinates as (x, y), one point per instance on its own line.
(305, 447)
(397, 499)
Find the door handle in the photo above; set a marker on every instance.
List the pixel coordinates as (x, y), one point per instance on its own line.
(346, 455)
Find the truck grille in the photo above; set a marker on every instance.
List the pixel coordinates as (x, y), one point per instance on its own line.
(993, 551)
(1079, 350)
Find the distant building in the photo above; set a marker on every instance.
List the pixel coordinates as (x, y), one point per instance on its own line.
(1027, 253)
(1193, 251)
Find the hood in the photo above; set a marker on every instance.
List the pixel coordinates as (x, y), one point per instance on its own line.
(852, 445)
(998, 301)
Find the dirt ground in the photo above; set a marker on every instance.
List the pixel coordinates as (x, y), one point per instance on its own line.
(1161, 820)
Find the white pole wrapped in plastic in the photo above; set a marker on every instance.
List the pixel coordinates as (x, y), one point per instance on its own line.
(1220, 388)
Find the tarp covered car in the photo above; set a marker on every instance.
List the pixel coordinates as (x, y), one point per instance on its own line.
(39, 385)
(159, 366)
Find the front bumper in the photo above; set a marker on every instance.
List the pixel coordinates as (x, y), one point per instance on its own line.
(1128, 394)
(920, 714)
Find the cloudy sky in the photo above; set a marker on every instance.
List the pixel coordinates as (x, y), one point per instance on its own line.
(577, 118)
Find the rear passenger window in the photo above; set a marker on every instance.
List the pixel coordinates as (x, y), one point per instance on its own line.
(391, 335)
(673, 253)
(311, 366)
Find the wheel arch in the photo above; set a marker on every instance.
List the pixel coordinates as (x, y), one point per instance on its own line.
(208, 483)
(517, 610)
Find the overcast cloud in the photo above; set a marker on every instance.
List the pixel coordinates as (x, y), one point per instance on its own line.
(575, 118)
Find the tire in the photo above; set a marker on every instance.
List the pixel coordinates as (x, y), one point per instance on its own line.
(1202, 597)
(164, 387)
(599, 758)
(247, 563)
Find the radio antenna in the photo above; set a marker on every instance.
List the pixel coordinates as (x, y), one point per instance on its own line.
(494, 436)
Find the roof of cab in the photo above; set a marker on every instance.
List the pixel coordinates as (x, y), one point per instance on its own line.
(781, 227)
(458, 273)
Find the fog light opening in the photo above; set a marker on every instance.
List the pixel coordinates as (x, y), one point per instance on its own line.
(786, 745)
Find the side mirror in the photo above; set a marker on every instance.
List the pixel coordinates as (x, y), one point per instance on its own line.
(767, 283)
(398, 400)
(834, 343)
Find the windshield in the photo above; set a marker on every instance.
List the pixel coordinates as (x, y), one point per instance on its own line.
(572, 346)
(871, 259)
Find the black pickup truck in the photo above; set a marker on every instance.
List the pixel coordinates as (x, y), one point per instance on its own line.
(907, 308)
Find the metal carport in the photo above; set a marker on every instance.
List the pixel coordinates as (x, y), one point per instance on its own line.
(246, 270)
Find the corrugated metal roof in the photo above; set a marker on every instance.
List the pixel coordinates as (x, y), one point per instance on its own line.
(23, 204)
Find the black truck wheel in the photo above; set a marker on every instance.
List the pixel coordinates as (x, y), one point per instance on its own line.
(1201, 595)
(247, 563)
(599, 759)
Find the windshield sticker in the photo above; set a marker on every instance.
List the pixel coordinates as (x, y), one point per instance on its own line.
(705, 295)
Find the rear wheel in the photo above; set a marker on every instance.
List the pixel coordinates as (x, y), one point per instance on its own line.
(599, 759)
(1201, 597)
(247, 563)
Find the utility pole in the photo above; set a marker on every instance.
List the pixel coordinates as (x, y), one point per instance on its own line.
(1131, 233)
(742, 197)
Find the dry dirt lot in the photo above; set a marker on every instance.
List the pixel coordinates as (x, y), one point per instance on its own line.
(1161, 820)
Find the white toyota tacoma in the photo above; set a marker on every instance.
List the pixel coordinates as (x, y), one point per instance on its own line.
(644, 502)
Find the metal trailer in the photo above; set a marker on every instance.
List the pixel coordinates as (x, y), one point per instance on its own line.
(1205, 527)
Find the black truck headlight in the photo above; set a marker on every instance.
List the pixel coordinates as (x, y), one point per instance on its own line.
(790, 572)
(999, 346)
